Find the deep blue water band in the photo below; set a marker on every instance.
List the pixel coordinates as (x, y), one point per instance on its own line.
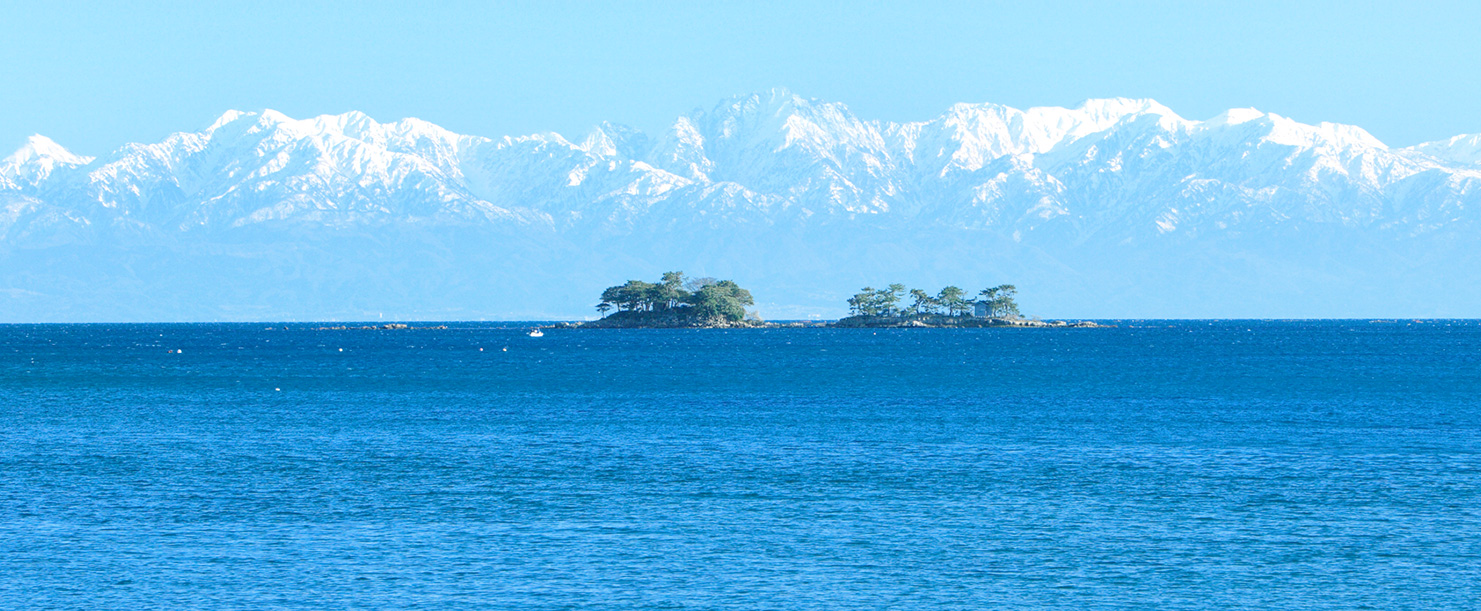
(1159, 464)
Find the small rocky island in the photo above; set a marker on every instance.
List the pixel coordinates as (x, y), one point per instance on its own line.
(951, 307)
(675, 302)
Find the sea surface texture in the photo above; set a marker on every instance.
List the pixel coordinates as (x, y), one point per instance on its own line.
(1156, 465)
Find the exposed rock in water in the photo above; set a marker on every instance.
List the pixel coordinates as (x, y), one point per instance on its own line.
(958, 322)
(394, 325)
(669, 320)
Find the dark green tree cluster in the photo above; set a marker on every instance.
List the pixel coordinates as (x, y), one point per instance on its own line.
(951, 301)
(701, 298)
(999, 300)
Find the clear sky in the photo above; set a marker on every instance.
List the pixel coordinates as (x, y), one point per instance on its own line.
(96, 75)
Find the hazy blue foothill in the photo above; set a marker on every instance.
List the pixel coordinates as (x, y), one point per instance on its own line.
(1115, 207)
(1154, 465)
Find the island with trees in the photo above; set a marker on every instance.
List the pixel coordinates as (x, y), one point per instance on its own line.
(680, 302)
(675, 302)
(897, 306)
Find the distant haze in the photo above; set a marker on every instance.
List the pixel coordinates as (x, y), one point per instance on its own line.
(1114, 208)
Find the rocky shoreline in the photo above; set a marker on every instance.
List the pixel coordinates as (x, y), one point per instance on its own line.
(852, 322)
(613, 322)
(955, 322)
(387, 326)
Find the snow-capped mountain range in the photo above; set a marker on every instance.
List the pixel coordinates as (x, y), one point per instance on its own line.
(1116, 207)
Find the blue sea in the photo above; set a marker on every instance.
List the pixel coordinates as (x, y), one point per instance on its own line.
(1155, 465)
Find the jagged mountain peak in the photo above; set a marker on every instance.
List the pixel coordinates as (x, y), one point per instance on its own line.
(37, 159)
(352, 124)
(1285, 130)
(352, 137)
(38, 147)
(777, 100)
(1463, 150)
(230, 116)
(616, 140)
(970, 136)
(788, 120)
(774, 143)
(681, 150)
(1108, 111)
(1235, 116)
(336, 205)
(246, 119)
(774, 112)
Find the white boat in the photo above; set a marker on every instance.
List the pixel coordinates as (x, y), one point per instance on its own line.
(536, 333)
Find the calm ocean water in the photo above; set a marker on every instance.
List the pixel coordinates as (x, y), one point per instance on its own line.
(1157, 465)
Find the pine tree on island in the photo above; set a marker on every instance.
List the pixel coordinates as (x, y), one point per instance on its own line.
(993, 306)
(999, 301)
(675, 301)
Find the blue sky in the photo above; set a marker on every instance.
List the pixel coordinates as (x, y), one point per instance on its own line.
(95, 76)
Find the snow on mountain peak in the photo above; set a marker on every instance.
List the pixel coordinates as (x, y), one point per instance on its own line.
(781, 104)
(1331, 137)
(1104, 112)
(789, 182)
(1463, 150)
(778, 119)
(40, 147)
(969, 136)
(614, 140)
(773, 102)
(227, 117)
(812, 154)
(1324, 134)
(36, 159)
(681, 150)
(1235, 116)
(234, 124)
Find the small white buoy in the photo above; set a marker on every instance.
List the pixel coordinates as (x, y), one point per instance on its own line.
(278, 389)
(506, 350)
(341, 349)
(480, 349)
